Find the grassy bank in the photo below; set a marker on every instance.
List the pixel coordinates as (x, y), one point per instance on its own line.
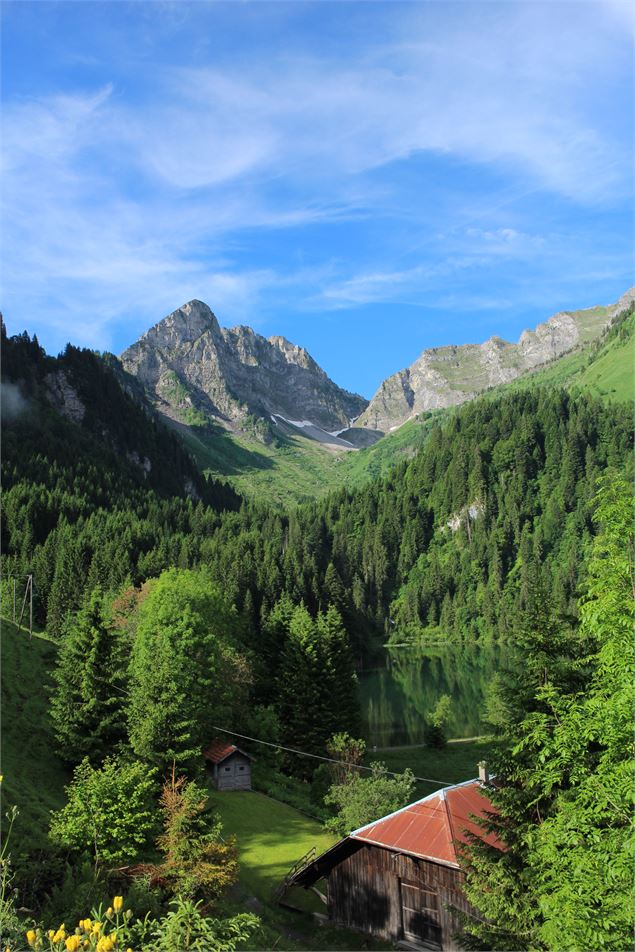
(33, 775)
(455, 763)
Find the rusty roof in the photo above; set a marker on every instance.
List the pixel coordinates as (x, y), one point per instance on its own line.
(220, 750)
(431, 828)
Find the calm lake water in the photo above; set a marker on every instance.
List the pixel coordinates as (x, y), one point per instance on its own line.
(396, 696)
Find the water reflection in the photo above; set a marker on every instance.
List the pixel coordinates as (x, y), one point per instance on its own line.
(396, 697)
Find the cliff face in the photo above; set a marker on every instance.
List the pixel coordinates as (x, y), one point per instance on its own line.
(446, 376)
(190, 365)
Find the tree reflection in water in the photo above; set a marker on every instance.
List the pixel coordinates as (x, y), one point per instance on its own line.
(396, 697)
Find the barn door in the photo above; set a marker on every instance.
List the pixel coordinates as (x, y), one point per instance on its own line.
(420, 913)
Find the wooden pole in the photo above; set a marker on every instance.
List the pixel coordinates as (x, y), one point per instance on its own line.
(31, 606)
(14, 600)
(26, 592)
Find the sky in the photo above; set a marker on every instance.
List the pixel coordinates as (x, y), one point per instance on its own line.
(366, 179)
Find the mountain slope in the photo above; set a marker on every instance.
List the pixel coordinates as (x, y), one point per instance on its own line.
(447, 376)
(196, 371)
(266, 455)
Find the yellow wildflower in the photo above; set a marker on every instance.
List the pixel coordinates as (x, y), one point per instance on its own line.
(51, 933)
(97, 927)
(109, 912)
(117, 903)
(73, 943)
(31, 936)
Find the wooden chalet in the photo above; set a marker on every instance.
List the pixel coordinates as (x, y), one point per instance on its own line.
(228, 766)
(399, 878)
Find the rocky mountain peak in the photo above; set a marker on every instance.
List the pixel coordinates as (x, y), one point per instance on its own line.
(294, 354)
(195, 370)
(186, 324)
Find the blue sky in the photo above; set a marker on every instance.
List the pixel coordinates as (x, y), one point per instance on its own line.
(367, 179)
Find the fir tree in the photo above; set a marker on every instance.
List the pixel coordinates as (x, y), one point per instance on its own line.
(88, 703)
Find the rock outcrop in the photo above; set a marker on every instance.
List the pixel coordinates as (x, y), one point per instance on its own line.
(446, 376)
(194, 370)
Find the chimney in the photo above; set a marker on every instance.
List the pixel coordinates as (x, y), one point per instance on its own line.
(483, 773)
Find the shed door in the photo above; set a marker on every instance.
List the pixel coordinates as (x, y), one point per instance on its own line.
(420, 913)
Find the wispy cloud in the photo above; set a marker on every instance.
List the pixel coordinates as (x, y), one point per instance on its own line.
(119, 206)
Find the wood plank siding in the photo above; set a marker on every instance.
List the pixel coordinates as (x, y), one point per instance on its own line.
(233, 773)
(396, 896)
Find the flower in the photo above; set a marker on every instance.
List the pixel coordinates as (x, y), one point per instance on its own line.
(73, 943)
(31, 936)
(105, 944)
(117, 903)
(109, 912)
(85, 924)
(97, 927)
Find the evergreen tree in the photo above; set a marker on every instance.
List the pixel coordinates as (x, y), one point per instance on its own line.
(88, 703)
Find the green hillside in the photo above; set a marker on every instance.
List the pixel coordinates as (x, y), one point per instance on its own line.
(605, 367)
(294, 468)
(33, 775)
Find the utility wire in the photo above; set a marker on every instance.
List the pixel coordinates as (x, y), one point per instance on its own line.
(330, 760)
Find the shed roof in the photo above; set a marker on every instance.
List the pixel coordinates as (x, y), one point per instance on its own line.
(220, 750)
(430, 829)
(433, 827)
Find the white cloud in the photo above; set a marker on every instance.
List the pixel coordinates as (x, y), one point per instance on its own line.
(118, 210)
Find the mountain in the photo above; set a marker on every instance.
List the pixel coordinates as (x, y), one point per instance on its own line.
(447, 376)
(72, 412)
(196, 371)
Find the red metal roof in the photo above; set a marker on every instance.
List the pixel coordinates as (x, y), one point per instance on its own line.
(431, 827)
(218, 750)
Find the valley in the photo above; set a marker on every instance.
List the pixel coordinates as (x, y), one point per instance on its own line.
(263, 453)
(367, 623)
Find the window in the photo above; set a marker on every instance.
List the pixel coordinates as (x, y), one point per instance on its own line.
(241, 767)
(227, 769)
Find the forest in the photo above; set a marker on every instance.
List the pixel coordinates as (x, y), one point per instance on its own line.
(178, 607)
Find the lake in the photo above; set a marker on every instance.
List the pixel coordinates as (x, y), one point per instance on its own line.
(397, 695)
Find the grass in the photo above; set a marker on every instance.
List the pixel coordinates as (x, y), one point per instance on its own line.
(33, 775)
(295, 468)
(272, 836)
(455, 763)
(607, 370)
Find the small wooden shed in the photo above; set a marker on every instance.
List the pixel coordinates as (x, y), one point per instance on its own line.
(400, 878)
(228, 766)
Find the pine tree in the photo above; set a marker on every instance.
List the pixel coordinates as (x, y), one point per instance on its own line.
(88, 703)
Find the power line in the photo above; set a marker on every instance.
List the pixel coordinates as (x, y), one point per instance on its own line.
(329, 760)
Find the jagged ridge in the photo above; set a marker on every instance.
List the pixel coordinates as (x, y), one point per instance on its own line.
(447, 376)
(189, 364)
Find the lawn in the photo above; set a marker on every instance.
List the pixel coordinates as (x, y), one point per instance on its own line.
(455, 763)
(272, 836)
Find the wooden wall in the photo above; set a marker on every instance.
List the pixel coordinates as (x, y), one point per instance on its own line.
(365, 892)
(233, 773)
